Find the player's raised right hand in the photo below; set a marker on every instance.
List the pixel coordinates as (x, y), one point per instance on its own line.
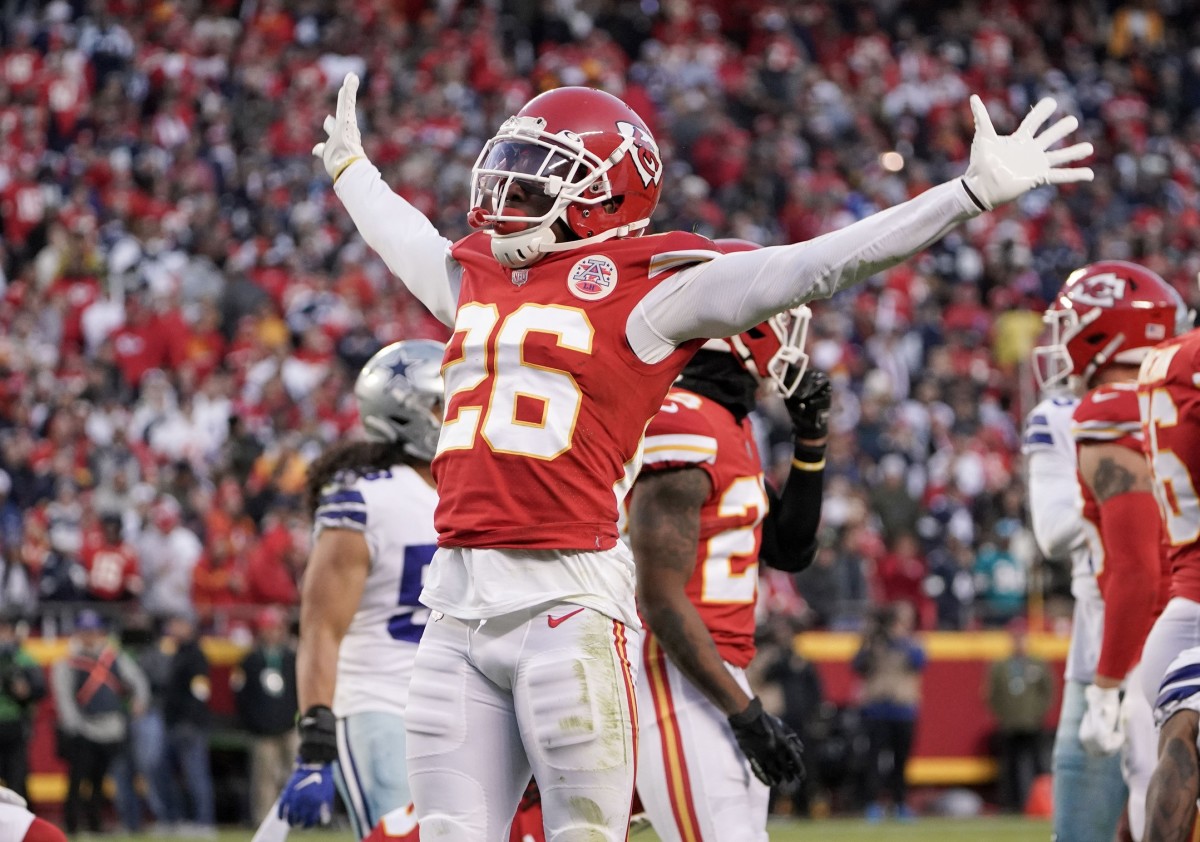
(775, 752)
(343, 145)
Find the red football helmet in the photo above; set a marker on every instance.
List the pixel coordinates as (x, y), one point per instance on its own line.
(1106, 313)
(772, 351)
(588, 150)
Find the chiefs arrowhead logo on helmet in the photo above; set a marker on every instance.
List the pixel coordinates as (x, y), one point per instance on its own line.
(588, 151)
(1107, 313)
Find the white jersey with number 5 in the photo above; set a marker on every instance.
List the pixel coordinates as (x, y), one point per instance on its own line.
(394, 511)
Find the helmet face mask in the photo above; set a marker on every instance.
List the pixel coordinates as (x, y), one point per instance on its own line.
(774, 350)
(588, 151)
(1107, 313)
(399, 395)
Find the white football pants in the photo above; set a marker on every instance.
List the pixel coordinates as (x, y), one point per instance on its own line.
(547, 691)
(694, 781)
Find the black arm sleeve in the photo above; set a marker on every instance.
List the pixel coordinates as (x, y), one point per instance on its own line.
(789, 541)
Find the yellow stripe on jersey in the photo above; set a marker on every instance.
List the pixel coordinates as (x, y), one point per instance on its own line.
(1103, 431)
(669, 260)
(674, 762)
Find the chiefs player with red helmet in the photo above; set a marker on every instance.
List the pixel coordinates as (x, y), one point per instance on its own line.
(1169, 399)
(700, 518)
(1103, 324)
(569, 328)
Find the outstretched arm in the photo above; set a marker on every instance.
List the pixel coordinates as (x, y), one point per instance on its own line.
(732, 292)
(399, 233)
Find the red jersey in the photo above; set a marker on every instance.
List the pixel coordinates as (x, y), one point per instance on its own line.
(1169, 398)
(692, 431)
(112, 571)
(546, 402)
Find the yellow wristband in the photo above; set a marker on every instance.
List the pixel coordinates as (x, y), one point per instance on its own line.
(808, 466)
(342, 168)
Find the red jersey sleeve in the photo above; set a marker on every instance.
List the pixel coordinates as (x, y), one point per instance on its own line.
(1108, 414)
(681, 435)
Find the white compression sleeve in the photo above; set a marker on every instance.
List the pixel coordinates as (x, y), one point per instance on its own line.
(1053, 503)
(737, 291)
(399, 233)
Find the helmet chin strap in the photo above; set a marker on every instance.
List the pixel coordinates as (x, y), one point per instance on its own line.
(516, 251)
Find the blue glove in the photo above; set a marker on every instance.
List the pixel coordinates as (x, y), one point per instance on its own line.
(307, 800)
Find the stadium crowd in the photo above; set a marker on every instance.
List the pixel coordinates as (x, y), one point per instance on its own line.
(185, 302)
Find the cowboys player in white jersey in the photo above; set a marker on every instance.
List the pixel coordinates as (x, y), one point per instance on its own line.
(360, 621)
(1089, 792)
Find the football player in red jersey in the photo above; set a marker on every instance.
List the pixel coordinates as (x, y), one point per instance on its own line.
(700, 518)
(569, 328)
(1169, 399)
(1104, 322)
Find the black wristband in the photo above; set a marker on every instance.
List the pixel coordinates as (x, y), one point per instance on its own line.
(318, 735)
(808, 452)
(752, 712)
(978, 202)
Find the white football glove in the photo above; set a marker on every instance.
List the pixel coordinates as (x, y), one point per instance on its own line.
(1002, 168)
(344, 144)
(1102, 729)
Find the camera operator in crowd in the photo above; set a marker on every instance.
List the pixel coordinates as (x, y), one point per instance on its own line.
(22, 685)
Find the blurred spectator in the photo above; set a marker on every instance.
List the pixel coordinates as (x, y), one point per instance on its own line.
(187, 718)
(96, 686)
(111, 565)
(168, 552)
(139, 769)
(264, 687)
(951, 584)
(901, 575)
(1019, 692)
(796, 679)
(889, 662)
(218, 581)
(22, 685)
(1001, 578)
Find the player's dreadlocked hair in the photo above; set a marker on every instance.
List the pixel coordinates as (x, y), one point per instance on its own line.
(357, 457)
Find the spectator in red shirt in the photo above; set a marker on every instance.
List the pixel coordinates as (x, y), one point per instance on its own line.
(218, 581)
(111, 564)
(270, 574)
(139, 344)
(902, 575)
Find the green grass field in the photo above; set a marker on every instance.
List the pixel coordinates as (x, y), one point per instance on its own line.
(991, 829)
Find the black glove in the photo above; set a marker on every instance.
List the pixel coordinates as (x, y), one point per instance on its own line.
(318, 735)
(773, 749)
(809, 405)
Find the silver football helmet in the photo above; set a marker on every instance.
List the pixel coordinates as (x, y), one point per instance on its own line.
(399, 393)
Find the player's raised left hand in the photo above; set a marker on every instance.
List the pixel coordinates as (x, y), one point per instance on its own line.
(773, 749)
(344, 143)
(1004, 167)
(809, 406)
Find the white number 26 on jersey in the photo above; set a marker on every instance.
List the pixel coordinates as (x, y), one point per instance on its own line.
(532, 409)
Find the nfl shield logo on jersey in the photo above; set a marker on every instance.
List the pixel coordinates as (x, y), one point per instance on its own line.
(520, 277)
(592, 278)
